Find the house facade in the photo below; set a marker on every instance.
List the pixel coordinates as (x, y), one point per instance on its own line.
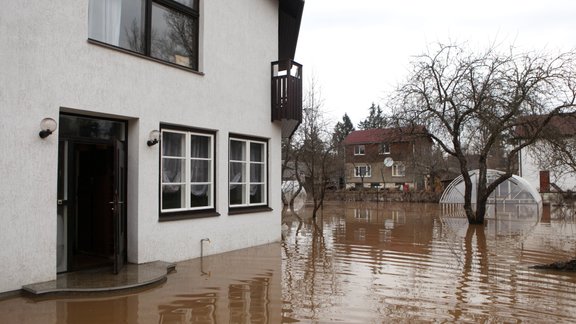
(133, 129)
(544, 169)
(391, 158)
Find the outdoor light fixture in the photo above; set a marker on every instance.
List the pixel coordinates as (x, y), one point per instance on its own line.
(47, 127)
(153, 138)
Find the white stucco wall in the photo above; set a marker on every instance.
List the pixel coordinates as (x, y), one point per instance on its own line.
(47, 66)
(530, 170)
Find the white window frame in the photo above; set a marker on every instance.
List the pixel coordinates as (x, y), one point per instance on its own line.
(359, 150)
(368, 171)
(399, 169)
(247, 182)
(185, 180)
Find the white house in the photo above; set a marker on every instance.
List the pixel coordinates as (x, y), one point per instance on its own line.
(540, 166)
(161, 126)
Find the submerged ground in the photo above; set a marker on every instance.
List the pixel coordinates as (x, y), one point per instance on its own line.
(357, 263)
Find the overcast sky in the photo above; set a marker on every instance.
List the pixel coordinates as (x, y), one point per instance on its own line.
(359, 50)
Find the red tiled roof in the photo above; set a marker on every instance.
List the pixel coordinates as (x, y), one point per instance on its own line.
(381, 135)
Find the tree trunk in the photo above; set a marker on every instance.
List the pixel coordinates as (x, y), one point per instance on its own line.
(481, 194)
(478, 218)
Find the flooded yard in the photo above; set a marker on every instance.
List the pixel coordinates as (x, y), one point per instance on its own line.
(357, 263)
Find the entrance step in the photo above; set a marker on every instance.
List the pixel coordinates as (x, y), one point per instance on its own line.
(103, 280)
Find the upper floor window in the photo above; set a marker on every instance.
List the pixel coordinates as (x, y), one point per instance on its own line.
(359, 150)
(163, 29)
(398, 169)
(187, 171)
(248, 172)
(363, 171)
(384, 148)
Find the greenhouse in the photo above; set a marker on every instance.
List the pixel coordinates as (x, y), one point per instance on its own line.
(515, 190)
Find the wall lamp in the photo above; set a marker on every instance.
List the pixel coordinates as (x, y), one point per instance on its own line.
(47, 127)
(153, 138)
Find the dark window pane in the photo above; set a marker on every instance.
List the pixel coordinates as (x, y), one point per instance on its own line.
(172, 196)
(199, 171)
(237, 150)
(256, 152)
(200, 146)
(118, 23)
(190, 3)
(76, 126)
(200, 196)
(174, 37)
(173, 144)
(236, 172)
(256, 194)
(256, 172)
(172, 170)
(236, 194)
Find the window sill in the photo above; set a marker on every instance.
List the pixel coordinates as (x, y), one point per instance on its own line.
(148, 58)
(168, 217)
(248, 210)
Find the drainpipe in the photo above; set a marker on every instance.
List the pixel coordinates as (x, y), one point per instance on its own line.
(202, 246)
(202, 256)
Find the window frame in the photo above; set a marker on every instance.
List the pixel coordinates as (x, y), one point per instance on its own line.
(249, 207)
(146, 27)
(368, 173)
(395, 169)
(360, 149)
(188, 211)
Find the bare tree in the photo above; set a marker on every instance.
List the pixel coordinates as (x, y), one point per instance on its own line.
(291, 166)
(471, 102)
(313, 147)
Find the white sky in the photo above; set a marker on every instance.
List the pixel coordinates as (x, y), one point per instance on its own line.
(358, 50)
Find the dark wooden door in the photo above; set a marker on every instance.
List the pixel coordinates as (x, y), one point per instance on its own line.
(119, 206)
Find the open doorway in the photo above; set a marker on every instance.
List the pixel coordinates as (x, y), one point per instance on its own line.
(91, 192)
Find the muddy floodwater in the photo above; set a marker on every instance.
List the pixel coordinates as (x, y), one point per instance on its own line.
(357, 263)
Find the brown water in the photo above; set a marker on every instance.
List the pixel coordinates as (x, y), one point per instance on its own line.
(413, 263)
(368, 263)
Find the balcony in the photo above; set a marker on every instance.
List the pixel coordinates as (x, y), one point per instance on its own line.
(287, 95)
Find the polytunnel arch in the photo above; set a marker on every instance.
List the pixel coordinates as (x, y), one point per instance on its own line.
(515, 190)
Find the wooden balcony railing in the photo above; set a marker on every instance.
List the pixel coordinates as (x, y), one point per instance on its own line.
(287, 95)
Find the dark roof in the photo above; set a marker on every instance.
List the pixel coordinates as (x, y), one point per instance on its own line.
(383, 135)
(289, 19)
(559, 125)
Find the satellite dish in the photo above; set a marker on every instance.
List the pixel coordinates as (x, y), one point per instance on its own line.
(388, 162)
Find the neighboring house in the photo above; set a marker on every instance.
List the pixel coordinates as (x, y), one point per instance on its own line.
(388, 158)
(162, 126)
(545, 174)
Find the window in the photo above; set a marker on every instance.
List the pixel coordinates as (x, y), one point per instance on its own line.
(363, 171)
(384, 148)
(359, 150)
(187, 171)
(163, 29)
(398, 169)
(248, 172)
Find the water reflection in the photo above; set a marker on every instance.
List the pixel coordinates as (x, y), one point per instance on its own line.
(237, 287)
(397, 262)
(358, 263)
